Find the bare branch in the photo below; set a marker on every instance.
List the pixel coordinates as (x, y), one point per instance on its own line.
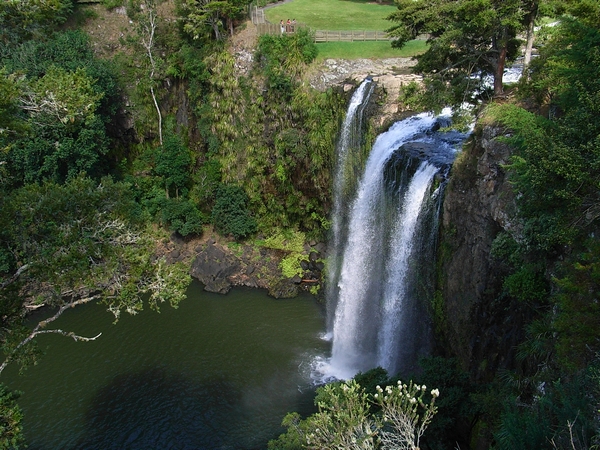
(16, 275)
(39, 328)
(70, 334)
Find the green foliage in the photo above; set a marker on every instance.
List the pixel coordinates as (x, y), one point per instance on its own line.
(26, 19)
(456, 407)
(203, 17)
(280, 151)
(111, 4)
(79, 242)
(65, 102)
(562, 411)
(578, 316)
(10, 122)
(173, 163)
(68, 96)
(11, 429)
(527, 284)
(290, 265)
(206, 180)
(282, 58)
(187, 62)
(349, 417)
(181, 216)
(230, 214)
(57, 151)
(343, 420)
(287, 240)
(70, 50)
(291, 242)
(552, 259)
(467, 39)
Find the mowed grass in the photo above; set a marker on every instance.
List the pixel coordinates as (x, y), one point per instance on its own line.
(334, 14)
(369, 49)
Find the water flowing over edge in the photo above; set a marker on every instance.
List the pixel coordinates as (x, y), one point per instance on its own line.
(363, 289)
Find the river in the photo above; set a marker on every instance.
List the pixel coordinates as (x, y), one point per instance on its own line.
(219, 372)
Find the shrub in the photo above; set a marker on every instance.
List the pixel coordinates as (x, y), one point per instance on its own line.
(178, 214)
(230, 215)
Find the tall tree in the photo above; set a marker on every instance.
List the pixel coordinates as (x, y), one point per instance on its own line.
(200, 15)
(146, 20)
(468, 39)
(65, 135)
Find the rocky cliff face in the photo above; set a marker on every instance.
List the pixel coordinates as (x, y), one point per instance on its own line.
(476, 322)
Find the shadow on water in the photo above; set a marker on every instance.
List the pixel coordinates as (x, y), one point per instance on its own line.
(220, 372)
(154, 409)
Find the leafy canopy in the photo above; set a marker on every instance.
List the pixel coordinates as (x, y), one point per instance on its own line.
(468, 40)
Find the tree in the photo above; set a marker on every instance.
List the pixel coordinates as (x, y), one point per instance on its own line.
(71, 51)
(24, 19)
(202, 15)
(146, 19)
(65, 135)
(394, 417)
(468, 39)
(10, 122)
(230, 214)
(68, 245)
(11, 428)
(173, 163)
(62, 95)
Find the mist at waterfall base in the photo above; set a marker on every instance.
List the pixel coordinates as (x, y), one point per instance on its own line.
(384, 245)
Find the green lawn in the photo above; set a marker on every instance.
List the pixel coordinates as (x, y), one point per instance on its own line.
(377, 50)
(334, 14)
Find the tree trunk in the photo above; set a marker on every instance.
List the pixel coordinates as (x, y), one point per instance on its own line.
(530, 37)
(499, 70)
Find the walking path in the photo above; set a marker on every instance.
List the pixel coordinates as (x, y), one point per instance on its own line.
(273, 5)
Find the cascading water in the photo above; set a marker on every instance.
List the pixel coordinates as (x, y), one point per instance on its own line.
(348, 148)
(384, 247)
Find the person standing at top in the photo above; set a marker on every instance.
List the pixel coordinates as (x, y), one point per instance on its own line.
(288, 26)
(282, 26)
(293, 25)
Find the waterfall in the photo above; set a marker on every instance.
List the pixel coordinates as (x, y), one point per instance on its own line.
(348, 150)
(383, 248)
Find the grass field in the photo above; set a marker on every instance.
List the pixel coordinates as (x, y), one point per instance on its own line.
(334, 14)
(378, 50)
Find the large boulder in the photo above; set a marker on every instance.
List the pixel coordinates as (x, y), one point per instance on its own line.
(213, 266)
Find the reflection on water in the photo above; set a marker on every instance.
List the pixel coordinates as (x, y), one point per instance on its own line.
(218, 373)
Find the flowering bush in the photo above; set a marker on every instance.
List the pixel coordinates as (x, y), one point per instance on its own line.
(404, 414)
(349, 418)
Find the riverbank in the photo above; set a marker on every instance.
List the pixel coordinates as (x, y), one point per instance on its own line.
(220, 263)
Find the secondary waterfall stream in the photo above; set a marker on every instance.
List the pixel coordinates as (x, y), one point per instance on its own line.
(384, 234)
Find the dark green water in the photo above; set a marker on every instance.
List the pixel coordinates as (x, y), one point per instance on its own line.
(220, 372)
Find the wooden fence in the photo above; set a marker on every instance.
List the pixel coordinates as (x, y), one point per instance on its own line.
(275, 28)
(350, 36)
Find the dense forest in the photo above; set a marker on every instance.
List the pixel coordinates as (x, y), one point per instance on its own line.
(102, 156)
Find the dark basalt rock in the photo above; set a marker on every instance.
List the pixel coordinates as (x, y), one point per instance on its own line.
(218, 286)
(212, 266)
(284, 289)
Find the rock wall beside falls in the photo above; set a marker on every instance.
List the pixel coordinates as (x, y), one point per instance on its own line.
(473, 321)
